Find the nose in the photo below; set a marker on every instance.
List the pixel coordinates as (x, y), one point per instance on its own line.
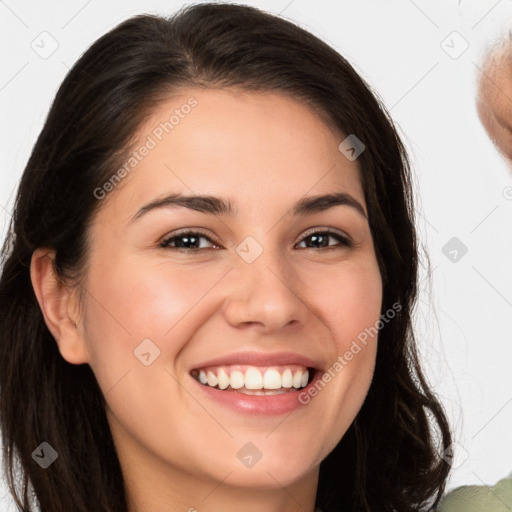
(265, 295)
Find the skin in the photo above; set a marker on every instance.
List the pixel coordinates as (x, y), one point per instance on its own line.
(177, 449)
(494, 99)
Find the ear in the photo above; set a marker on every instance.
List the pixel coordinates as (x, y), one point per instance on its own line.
(59, 305)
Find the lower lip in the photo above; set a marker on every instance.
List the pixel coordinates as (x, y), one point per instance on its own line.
(254, 404)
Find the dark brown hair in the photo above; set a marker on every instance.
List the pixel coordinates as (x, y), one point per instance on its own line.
(390, 458)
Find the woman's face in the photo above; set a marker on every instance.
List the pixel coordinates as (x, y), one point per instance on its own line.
(261, 295)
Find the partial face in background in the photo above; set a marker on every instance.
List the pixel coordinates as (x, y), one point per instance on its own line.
(494, 100)
(272, 293)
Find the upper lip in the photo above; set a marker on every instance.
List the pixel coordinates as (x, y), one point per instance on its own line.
(259, 359)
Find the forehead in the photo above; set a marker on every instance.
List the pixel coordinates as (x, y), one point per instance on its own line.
(251, 146)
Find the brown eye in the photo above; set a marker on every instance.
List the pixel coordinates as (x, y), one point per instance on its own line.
(320, 239)
(187, 241)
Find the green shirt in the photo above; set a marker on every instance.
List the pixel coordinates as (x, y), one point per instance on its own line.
(479, 498)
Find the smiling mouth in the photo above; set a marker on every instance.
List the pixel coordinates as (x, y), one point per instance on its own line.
(255, 380)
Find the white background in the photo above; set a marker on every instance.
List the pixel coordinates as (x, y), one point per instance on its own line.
(465, 309)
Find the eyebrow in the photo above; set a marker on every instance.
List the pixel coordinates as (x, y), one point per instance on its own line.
(218, 206)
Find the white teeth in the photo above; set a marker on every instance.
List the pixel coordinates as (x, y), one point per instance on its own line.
(223, 379)
(254, 379)
(297, 380)
(272, 379)
(260, 392)
(275, 392)
(236, 379)
(256, 392)
(287, 379)
(212, 379)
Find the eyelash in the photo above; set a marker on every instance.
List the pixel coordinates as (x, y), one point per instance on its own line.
(165, 244)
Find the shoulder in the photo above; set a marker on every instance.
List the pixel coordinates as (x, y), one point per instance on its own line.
(479, 498)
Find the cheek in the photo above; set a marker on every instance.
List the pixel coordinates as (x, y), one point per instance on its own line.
(348, 301)
(133, 301)
(348, 297)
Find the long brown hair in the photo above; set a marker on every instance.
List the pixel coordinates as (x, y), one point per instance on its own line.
(391, 456)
